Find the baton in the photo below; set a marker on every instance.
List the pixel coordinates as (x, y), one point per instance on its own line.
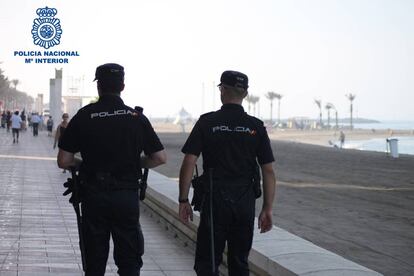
(213, 261)
(75, 203)
(143, 186)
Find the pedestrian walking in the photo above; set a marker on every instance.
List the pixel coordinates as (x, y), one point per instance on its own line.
(24, 124)
(16, 125)
(3, 119)
(110, 137)
(341, 139)
(35, 124)
(42, 122)
(8, 119)
(49, 126)
(60, 130)
(231, 143)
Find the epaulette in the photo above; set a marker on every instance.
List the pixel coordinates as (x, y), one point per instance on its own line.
(139, 109)
(205, 114)
(254, 119)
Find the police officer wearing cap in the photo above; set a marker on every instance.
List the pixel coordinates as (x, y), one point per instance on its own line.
(231, 143)
(110, 137)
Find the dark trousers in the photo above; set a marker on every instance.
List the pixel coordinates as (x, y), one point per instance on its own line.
(116, 213)
(35, 129)
(15, 132)
(233, 222)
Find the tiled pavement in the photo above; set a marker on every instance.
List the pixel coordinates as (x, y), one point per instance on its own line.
(38, 232)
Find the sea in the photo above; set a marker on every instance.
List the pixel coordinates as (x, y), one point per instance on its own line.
(403, 125)
(405, 144)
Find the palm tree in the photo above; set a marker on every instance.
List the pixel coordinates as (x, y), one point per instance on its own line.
(15, 83)
(271, 96)
(351, 98)
(249, 99)
(319, 104)
(255, 100)
(328, 107)
(278, 97)
(336, 118)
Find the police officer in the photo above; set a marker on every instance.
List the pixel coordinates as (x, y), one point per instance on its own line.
(231, 143)
(110, 137)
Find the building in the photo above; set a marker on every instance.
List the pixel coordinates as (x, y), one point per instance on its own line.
(38, 104)
(55, 95)
(72, 104)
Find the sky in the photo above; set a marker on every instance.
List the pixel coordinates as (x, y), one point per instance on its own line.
(302, 49)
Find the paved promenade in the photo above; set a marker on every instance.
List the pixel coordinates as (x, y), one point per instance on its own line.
(38, 232)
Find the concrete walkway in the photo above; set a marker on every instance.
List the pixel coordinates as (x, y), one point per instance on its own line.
(38, 232)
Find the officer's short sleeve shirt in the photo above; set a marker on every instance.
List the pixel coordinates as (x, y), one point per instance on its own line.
(151, 142)
(264, 151)
(194, 143)
(70, 141)
(110, 136)
(230, 140)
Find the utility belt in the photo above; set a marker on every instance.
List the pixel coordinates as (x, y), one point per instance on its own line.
(106, 181)
(226, 186)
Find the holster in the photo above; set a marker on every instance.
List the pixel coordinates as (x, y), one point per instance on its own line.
(199, 184)
(143, 184)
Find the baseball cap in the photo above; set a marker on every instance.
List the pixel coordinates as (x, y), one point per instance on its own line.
(110, 72)
(235, 79)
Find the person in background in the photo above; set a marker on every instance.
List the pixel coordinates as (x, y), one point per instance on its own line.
(8, 120)
(60, 130)
(23, 116)
(42, 122)
(35, 124)
(16, 124)
(3, 119)
(29, 119)
(49, 125)
(341, 139)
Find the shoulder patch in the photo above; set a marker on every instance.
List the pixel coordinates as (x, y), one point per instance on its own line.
(89, 105)
(206, 114)
(255, 120)
(85, 109)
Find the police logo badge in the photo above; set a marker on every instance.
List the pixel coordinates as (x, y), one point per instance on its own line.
(46, 29)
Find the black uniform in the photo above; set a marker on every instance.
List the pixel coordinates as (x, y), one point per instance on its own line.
(110, 137)
(231, 142)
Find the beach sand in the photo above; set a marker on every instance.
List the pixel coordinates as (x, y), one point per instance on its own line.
(358, 204)
(322, 137)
